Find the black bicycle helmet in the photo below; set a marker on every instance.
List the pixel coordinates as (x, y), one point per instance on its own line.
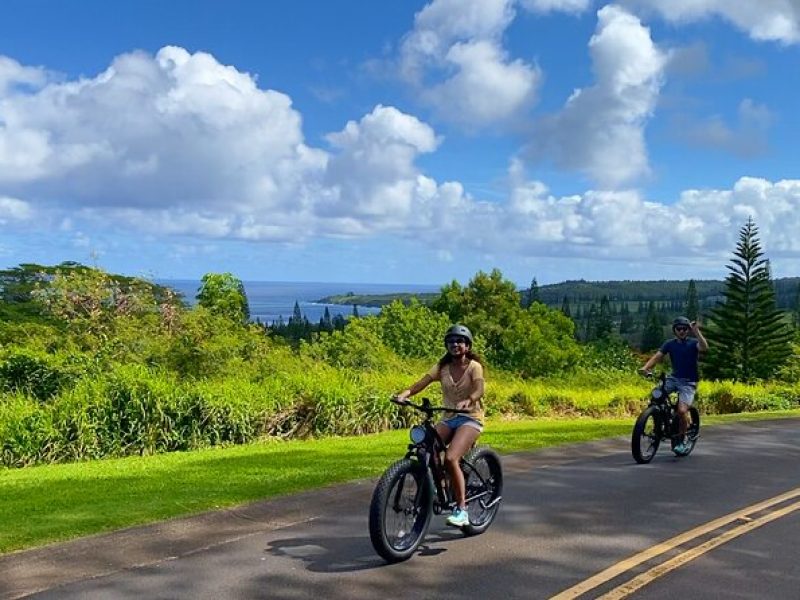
(458, 330)
(681, 322)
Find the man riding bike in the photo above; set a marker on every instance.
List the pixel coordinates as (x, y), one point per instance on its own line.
(684, 354)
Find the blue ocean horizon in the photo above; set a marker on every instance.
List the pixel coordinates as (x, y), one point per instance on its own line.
(271, 301)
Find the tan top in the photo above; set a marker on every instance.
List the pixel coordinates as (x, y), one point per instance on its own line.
(457, 391)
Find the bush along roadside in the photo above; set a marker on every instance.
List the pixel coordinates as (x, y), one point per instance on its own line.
(136, 410)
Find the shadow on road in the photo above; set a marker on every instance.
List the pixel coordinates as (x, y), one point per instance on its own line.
(347, 554)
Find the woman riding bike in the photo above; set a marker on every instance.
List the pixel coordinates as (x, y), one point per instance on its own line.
(460, 373)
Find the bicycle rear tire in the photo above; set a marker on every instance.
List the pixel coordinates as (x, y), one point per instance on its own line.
(692, 433)
(483, 479)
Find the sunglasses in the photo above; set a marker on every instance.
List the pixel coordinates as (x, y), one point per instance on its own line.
(681, 328)
(455, 340)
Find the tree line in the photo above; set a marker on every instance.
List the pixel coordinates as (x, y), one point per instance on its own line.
(519, 331)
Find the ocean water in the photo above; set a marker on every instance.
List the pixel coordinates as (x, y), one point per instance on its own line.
(272, 300)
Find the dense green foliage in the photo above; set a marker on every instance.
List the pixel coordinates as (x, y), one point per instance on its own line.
(653, 335)
(223, 294)
(531, 341)
(98, 366)
(749, 339)
(624, 305)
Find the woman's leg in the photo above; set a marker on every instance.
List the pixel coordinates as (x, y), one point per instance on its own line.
(463, 439)
(445, 433)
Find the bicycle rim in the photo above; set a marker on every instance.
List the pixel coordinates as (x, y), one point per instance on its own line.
(482, 489)
(405, 515)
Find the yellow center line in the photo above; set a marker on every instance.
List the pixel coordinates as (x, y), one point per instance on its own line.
(642, 580)
(637, 559)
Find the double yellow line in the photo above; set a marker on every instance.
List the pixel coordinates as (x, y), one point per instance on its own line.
(749, 523)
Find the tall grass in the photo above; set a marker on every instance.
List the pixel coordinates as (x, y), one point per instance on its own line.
(140, 410)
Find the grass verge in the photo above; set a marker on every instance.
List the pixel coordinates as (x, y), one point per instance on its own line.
(52, 503)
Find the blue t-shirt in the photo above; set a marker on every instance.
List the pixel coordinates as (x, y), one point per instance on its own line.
(683, 355)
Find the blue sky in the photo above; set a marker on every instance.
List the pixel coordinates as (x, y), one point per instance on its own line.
(399, 142)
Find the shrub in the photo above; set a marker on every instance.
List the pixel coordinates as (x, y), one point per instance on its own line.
(609, 354)
(35, 373)
(731, 397)
(358, 346)
(26, 432)
(414, 330)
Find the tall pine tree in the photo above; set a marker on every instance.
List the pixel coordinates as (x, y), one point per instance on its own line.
(565, 309)
(652, 336)
(692, 303)
(590, 323)
(796, 308)
(533, 293)
(747, 335)
(604, 324)
(626, 323)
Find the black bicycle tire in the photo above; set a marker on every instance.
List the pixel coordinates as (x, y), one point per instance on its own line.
(492, 459)
(379, 506)
(638, 430)
(692, 437)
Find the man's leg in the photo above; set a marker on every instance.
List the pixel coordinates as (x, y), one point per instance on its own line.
(686, 395)
(684, 419)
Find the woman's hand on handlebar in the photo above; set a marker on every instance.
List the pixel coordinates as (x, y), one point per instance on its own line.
(399, 398)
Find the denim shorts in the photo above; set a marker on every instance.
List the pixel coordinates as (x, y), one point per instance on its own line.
(459, 420)
(686, 389)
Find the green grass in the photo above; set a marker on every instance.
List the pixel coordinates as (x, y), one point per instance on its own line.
(50, 503)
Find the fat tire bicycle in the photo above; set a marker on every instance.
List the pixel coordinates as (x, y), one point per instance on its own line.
(659, 421)
(416, 487)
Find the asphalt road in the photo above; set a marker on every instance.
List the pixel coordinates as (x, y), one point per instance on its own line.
(567, 515)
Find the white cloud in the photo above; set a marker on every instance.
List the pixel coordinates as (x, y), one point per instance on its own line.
(13, 75)
(624, 225)
(443, 22)
(600, 129)
(177, 144)
(372, 177)
(12, 209)
(546, 6)
(772, 20)
(174, 130)
(454, 55)
(177, 135)
(180, 146)
(486, 88)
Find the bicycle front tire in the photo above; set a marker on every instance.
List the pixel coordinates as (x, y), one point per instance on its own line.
(646, 435)
(400, 511)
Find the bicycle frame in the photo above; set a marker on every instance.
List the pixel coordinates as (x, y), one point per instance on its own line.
(668, 409)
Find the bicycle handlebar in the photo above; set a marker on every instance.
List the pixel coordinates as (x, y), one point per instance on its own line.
(652, 375)
(427, 408)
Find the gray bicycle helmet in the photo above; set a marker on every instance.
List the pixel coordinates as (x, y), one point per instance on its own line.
(681, 321)
(460, 330)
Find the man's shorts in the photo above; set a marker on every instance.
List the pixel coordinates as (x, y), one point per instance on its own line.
(686, 389)
(459, 420)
